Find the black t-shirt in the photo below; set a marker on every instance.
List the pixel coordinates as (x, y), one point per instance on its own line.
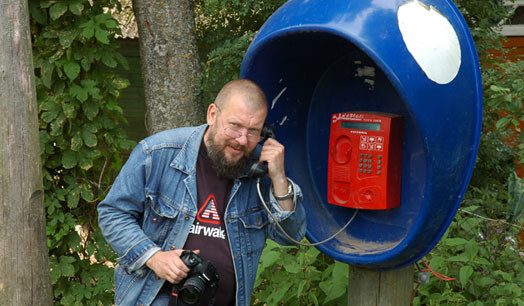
(208, 233)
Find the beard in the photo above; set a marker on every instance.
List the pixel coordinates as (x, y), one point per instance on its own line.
(221, 164)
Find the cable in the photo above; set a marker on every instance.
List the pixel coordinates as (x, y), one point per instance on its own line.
(287, 235)
(437, 274)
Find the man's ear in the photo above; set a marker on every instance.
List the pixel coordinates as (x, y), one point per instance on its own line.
(212, 111)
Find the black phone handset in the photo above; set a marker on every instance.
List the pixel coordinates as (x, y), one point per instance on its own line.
(259, 169)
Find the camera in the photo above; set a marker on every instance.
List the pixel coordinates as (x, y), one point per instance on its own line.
(201, 277)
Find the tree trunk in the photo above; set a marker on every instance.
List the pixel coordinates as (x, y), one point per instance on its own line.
(24, 265)
(170, 65)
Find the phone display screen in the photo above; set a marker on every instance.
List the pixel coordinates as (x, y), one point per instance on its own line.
(367, 126)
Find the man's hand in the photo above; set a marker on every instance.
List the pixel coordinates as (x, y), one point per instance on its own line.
(169, 266)
(273, 153)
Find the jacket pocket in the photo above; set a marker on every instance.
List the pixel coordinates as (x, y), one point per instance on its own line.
(159, 218)
(253, 231)
(123, 282)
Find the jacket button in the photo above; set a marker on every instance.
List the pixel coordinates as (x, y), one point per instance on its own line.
(186, 218)
(172, 248)
(155, 219)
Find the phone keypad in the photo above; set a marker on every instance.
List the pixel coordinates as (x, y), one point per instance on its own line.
(370, 164)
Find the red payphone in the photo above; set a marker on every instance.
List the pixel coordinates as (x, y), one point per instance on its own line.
(365, 160)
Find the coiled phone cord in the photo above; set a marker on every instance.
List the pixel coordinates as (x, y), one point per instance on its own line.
(287, 235)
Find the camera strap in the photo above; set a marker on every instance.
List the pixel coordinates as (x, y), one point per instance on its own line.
(173, 301)
(213, 296)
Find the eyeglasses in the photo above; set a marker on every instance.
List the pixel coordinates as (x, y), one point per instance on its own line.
(234, 132)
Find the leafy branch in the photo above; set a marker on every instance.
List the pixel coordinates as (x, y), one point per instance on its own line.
(80, 139)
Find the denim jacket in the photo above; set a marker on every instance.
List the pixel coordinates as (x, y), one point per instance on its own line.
(152, 205)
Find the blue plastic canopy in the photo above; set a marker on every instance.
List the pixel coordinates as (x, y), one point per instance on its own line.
(314, 58)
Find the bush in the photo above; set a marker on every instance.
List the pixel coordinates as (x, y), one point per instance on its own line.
(299, 276)
(481, 253)
(80, 139)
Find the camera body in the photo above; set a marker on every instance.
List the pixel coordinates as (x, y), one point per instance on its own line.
(201, 277)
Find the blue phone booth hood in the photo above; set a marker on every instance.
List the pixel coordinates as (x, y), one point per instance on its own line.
(314, 58)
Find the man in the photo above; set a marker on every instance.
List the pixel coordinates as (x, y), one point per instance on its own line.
(187, 188)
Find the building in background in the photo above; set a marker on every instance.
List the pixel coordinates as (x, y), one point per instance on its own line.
(513, 30)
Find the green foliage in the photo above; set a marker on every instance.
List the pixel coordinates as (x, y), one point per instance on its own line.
(299, 276)
(495, 160)
(80, 141)
(484, 258)
(503, 84)
(504, 102)
(224, 31)
(483, 18)
(516, 198)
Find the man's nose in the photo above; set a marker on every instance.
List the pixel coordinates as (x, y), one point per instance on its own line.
(242, 139)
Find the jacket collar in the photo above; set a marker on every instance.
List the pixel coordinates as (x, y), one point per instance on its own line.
(186, 159)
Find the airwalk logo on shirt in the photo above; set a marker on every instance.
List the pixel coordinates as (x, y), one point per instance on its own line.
(214, 232)
(208, 214)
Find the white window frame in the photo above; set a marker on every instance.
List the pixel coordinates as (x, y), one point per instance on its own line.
(513, 29)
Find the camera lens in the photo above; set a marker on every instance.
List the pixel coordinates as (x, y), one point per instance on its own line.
(189, 297)
(192, 291)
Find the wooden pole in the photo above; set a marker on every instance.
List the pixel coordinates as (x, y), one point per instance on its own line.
(24, 263)
(381, 288)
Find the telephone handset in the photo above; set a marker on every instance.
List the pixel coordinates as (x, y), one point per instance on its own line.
(259, 169)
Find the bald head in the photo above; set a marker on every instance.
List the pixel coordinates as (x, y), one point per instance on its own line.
(242, 90)
(237, 115)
